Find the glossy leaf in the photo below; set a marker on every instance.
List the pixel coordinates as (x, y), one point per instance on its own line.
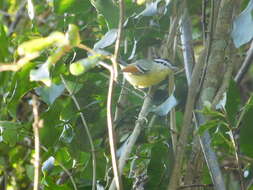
(150, 10)
(49, 94)
(108, 39)
(73, 35)
(241, 33)
(109, 10)
(83, 65)
(4, 43)
(48, 165)
(41, 74)
(166, 106)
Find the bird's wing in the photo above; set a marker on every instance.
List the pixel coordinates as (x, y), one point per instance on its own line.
(138, 67)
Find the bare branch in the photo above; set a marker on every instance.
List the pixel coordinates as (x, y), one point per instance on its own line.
(37, 124)
(111, 132)
(113, 77)
(246, 65)
(17, 18)
(119, 36)
(185, 130)
(135, 134)
(186, 39)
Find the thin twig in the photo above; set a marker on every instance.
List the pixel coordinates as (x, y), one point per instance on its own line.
(5, 13)
(135, 134)
(113, 77)
(192, 94)
(186, 40)
(122, 97)
(227, 76)
(119, 36)
(58, 162)
(125, 87)
(172, 113)
(87, 131)
(213, 78)
(69, 175)
(246, 65)
(208, 42)
(173, 126)
(36, 125)
(111, 132)
(17, 18)
(91, 51)
(238, 160)
(122, 101)
(203, 19)
(195, 185)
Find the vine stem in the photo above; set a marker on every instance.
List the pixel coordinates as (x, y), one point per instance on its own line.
(87, 131)
(36, 125)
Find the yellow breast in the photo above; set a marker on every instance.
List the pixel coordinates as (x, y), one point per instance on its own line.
(147, 79)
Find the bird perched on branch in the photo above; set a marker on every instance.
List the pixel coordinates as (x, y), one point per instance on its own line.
(144, 73)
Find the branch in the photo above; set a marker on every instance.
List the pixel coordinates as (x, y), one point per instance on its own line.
(212, 81)
(17, 18)
(122, 97)
(195, 185)
(135, 134)
(36, 125)
(111, 132)
(193, 82)
(113, 77)
(122, 101)
(87, 131)
(227, 76)
(246, 65)
(186, 39)
(185, 130)
(119, 36)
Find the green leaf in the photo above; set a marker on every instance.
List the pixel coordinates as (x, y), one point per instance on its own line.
(49, 94)
(39, 44)
(233, 102)
(108, 39)
(242, 29)
(67, 134)
(246, 130)
(83, 65)
(29, 171)
(10, 131)
(4, 43)
(109, 10)
(19, 87)
(61, 6)
(157, 170)
(214, 123)
(73, 35)
(50, 132)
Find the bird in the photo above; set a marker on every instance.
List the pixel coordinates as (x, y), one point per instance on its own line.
(145, 73)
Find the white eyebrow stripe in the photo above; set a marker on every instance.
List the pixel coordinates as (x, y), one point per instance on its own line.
(164, 62)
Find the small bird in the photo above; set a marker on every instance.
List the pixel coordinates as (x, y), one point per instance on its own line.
(144, 73)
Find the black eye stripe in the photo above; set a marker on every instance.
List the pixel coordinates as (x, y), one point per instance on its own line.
(141, 69)
(164, 62)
